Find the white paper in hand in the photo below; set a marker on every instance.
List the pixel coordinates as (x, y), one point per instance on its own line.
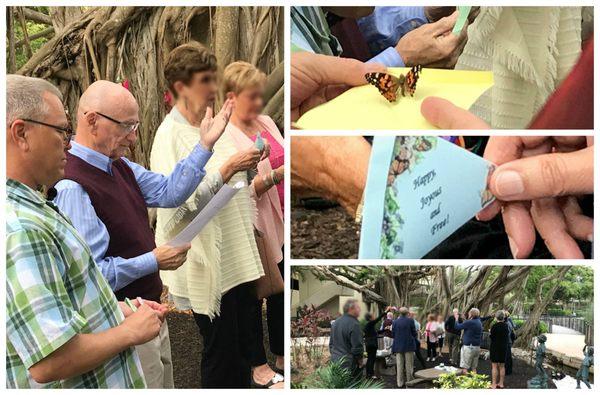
(221, 198)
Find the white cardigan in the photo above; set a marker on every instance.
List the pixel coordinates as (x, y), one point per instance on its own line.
(224, 254)
(530, 51)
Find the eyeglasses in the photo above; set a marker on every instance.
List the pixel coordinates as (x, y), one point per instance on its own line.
(66, 132)
(129, 127)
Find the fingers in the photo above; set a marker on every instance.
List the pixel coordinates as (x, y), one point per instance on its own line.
(519, 228)
(489, 212)
(578, 225)
(266, 151)
(549, 175)
(444, 25)
(310, 72)
(208, 114)
(502, 149)
(550, 223)
(184, 248)
(445, 115)
(226, 110)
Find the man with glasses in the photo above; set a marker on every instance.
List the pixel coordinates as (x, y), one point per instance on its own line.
(64, 326)
(106, 196)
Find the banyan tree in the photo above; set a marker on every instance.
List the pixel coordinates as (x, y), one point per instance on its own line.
(130, 45)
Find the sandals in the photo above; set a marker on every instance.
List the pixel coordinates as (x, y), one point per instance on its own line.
(277, 378)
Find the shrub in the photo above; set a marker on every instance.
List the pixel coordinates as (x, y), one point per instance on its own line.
(335, 376)
(309, 321)
(542, 326)
(308, 325)
(470, 380)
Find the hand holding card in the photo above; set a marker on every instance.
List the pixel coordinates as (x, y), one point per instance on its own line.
(419, 191)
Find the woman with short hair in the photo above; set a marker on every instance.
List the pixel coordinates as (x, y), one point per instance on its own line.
(499, 336)
(244, 84)
(217, 280)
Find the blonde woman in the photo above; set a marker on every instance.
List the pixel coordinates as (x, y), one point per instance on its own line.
(216, 282)
(244, 85)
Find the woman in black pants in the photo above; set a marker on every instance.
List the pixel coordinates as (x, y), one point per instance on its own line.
(262, 374)
(371, 341)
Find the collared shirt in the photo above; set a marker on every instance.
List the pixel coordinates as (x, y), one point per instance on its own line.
(385, 27)
(381, 30)
(55, 291)
(158, 191)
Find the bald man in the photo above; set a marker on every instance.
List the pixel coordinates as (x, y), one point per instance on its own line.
(106, 197)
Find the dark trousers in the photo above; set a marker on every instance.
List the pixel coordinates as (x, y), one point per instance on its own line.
(226, 340)
(418, 353)
(275, 327)
(371, 356)
(441, 344)
(431, 349)
(508, 362)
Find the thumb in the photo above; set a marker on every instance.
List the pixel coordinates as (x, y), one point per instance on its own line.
(445, 115)
(185, 247)
(549, 175)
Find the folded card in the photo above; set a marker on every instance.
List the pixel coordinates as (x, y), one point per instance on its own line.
(420, 189)
(364, 107)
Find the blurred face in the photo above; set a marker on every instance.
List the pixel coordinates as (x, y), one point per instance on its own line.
(200, 92)
(355, 310)
(115, 129)
(249, 103)
(43, 148)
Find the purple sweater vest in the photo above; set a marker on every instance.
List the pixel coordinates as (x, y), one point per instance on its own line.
(119, 203)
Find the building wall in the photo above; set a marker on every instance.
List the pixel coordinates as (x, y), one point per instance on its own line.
(323, 295)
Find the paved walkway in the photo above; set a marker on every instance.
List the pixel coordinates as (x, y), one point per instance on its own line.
(563, 330)
(567, 344)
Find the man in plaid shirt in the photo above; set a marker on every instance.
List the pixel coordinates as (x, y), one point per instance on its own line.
(64, 326)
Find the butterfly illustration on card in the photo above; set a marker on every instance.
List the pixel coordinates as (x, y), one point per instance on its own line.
(389, 85)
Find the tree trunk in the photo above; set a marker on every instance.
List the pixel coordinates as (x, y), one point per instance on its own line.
(132, 43)
(542, 300)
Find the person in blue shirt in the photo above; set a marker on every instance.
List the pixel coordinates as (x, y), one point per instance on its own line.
(383, 28)
(107, 125)
(472, 333)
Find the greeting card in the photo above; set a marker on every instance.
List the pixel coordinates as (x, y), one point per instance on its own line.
(420, 189)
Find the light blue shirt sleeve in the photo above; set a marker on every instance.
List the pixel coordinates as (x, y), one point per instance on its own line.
(385, 27)
(172, 190)
(390, 58)
(74, 202)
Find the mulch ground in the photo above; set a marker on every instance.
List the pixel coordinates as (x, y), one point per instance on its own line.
(522, 372)
(327, 234)
(186, 349)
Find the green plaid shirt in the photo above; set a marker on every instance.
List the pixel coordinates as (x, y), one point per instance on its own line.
(53, 292)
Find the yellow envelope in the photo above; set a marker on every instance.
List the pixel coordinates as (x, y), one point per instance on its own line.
(364, 108)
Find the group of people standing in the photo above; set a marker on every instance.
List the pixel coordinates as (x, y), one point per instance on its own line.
(80, 245)
(402, 335)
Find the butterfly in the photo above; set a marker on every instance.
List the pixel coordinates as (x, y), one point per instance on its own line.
(389, 85)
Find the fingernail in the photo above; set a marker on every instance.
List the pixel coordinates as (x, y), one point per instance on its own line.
(513, 247)
(508, 183)
(590, 238)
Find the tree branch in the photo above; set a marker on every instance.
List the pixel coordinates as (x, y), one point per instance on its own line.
(44, 33)
(35, 16)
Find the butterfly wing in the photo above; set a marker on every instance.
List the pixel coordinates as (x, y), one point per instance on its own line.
(410, 82)
(387, 84)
